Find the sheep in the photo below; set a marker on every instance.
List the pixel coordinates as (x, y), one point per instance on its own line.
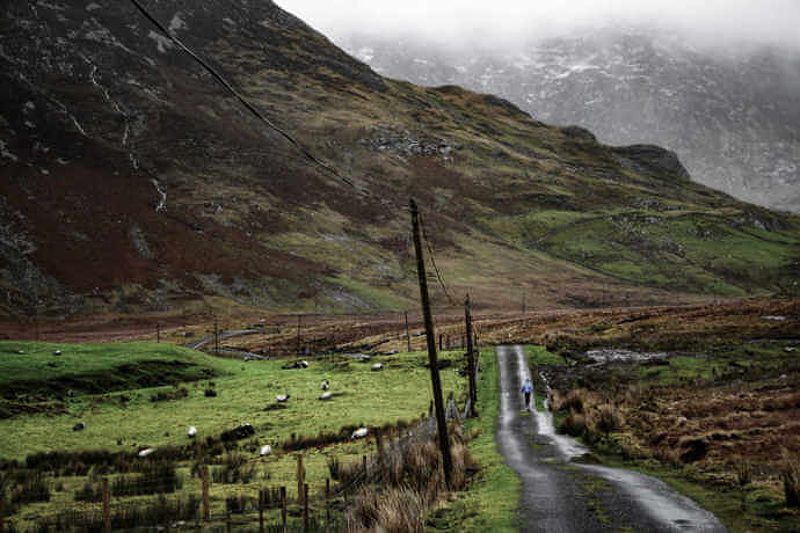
(146, 452)
(377, 367)
(282, 398)
(57, 352)
(360, 433)
(325, 396)
(192, 433)
(265, 450)
(325, 385)
(302, 364)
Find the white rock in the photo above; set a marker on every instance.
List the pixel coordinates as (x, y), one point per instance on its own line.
(265, 450)
(146, 452)
(192, 433)
(360, 433)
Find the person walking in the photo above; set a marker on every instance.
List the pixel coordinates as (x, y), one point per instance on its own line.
(527, 390)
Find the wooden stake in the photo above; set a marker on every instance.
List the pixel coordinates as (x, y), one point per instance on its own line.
(106, 507)
(441, 421)
(408, 334)
(283, 508)
(261, 502)
(299, 318)
(301, 478)
(204, 479)
(305, 507)
(381, 456)
(473, 395)
(216, 337)
(327, 504)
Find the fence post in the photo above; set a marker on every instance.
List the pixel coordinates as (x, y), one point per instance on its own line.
(381, 458)
(364, 466)
(327, 504)
(204, 478)
(261, 497)
(106, 507)
(228, 522)
(283, 508)
(408, 335)
(301, 478)
(305, 507)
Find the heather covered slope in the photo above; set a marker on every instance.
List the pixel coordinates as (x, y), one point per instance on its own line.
(131, 181)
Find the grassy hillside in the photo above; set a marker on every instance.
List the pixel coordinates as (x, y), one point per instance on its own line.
(197, 199)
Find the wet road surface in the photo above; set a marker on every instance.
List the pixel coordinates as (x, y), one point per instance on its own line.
(560, 495)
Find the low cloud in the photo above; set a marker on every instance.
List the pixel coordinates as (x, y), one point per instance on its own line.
(470, 22)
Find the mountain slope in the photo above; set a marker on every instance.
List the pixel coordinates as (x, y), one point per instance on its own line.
(132, 181)
(732, 115)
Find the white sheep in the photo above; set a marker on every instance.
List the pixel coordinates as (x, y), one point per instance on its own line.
(192, 433)
(360, 433)
(377, 367)
(325, 385)
(265, 450)
(282, 398)
(325, 396)
(146, 452)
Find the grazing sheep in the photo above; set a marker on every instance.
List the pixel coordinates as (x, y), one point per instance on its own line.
(57, 352)
(146, 452)
(265, 450)
(360, 433)
(282, 398)
(80, 426)
(192, 433)
(302, 364)
(325, 385)
(377, 367)
(325, 396)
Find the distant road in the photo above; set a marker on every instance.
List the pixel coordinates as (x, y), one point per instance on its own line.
(560, 495)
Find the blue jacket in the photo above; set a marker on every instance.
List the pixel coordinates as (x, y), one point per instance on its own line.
(527, 387)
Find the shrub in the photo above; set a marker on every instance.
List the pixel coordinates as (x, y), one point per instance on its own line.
(30, 487)
(606, 419)
(790, 474)
(574, 425)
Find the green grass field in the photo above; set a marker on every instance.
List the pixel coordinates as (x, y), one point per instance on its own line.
(126, 419)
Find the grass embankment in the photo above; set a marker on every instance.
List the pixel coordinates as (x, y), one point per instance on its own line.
(491, 501)
(126, 418)
(719, 426)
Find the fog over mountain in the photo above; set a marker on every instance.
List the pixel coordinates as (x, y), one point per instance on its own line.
(719, 83)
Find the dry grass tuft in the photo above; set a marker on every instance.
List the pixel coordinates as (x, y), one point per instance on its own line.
(790, 474)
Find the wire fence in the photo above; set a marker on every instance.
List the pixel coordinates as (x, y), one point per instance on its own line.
(161, 499)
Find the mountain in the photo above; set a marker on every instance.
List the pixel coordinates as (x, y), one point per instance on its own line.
(732, 115)
(131, 180)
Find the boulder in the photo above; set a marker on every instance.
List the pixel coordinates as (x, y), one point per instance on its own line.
(80, 426)
(240, 432)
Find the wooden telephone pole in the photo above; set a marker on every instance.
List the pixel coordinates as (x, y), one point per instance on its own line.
(441, 421)
(471, 367)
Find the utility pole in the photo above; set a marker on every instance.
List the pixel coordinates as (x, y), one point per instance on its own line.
(158, 332)
(430, 334)
(408, 335)
(473, 394)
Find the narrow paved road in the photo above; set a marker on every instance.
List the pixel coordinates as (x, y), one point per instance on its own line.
(560, 495)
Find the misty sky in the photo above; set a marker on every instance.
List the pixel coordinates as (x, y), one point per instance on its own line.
(715, 21)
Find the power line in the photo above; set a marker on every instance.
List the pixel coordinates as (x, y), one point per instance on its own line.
(439, 277)
(250, 107)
